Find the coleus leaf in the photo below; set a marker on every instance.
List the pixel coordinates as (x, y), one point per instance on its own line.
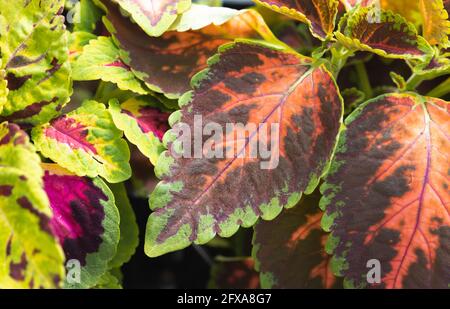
(86, 142)
(101, 59)
(129, 231)
(77, 40)
(143, 123)
(382, 32)
(182, 53)
(30, 256)
(290, 250)
(387, 193)
(154, 16)
(33, 44)
(86, 221)
(352, 98)
(233, 273)
(320, 15)
(429, 14)
(250, 84)
(436, 26)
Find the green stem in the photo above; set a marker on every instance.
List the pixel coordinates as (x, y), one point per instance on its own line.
(339, 57)
(414, 81)
(100, 91)
(440, 90)
(364, 81)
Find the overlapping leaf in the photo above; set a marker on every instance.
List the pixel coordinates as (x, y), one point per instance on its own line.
(101, 59)
(387, 193)
(86, 222)
(143, 123)
(382, 32)
(234, 273)
(86, 142)
(320, 15)
(34, 52)
(167, 63)
(86, 17)
(290, 250)
(129, 238)
(30, 256)
(436, 26)
(257, 86)
(154, 16)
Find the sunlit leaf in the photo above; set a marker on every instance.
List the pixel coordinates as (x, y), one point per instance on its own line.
(436, 26)
(101, 59)
(320, 15)
(34, 49)
(86, 142)
(290, 250)
(30, 255)
(387, 194)
(86, 17)
(86, 222)
(260, 87)
(154, 16)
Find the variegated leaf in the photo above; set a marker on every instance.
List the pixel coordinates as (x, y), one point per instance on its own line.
(34, 49)
(86, 142)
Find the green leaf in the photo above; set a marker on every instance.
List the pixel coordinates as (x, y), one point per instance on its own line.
(129, 231)
(143, 123)
(262, 87)
(87, 16)
(108, 281)
(30, 255)
(77, 40)
(101, 59)
(34, 49)
(154, 16)
(86, 142)
(382, 32)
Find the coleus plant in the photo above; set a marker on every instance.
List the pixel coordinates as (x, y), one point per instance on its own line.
(362, 173)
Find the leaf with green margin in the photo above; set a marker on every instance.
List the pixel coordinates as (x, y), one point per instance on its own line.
(34, 48)
(249, 83)
(86, 222)
(386, 196)
(154, 16)
(143, 122)
(290, 250)
(129, 231)
(382, 32)
(233, 273)
(87, 16)
(319, 15)
(86, 142)
(101, 59)
(30, 256)
(168, 63)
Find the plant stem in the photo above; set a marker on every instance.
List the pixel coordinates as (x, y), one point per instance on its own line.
(100, 91)
(440, 90)
(414, 81)
(364, 81)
